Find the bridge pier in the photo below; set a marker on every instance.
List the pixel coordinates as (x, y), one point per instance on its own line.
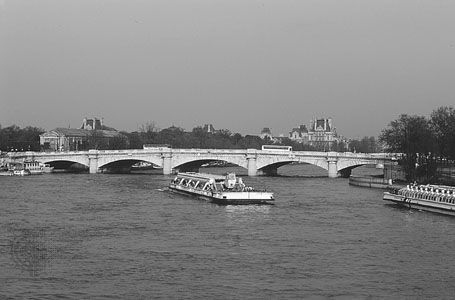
(167, 163)
(333, 172)
(93, 161)
(251, 162)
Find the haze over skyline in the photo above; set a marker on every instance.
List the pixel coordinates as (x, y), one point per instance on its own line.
(239, 65)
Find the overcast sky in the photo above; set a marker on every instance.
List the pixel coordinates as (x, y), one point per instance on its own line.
(238, 64)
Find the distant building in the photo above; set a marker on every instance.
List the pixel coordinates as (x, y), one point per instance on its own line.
(299, 134)
(209, 128)
(266, 133)
(91, 124)
(321, 134)
(72, 139)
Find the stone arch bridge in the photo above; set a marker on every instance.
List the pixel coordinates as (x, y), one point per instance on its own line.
(255, 161)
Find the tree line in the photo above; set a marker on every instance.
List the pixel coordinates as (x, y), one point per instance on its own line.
(427, 143)
(14, 138)
(421, 139)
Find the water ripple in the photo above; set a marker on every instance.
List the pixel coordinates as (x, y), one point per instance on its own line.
(122, 237)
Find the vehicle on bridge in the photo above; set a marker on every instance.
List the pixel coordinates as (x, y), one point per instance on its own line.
(156, 146)
(276, 148)
(219, 189)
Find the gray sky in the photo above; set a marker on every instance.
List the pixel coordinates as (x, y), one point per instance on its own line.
(238, 64)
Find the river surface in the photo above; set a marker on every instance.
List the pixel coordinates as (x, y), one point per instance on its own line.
(82, 236)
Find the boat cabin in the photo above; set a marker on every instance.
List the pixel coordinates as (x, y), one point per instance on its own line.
(206, 182)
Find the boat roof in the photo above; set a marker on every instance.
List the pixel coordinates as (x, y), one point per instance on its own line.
(201, 176)
(436, 186)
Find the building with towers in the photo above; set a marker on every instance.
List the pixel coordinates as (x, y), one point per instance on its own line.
(321, 134)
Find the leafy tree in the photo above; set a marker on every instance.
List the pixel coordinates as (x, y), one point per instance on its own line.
(119, 142)
(172, 135)
(149, 132)
(13, 138)
(251, 142)
(339, 146)
(135, 140)
(96, 140)
(200, 136)
(442, 121)
(365, 145)
(412, 136)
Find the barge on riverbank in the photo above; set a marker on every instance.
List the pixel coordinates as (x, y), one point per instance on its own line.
(225, 190)
(433, 198)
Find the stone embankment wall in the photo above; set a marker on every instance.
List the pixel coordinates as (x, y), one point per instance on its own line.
(370, 181)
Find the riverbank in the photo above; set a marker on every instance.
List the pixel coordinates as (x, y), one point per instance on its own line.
(370, 181)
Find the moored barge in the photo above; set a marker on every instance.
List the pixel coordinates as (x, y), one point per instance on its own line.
(219, 189)
(434, 198)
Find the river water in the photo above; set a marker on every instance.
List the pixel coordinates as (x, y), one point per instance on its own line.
(82, 236)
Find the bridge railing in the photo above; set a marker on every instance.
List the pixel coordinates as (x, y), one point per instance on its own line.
(212, 151)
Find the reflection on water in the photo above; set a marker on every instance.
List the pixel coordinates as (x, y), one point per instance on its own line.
(234, 211)
(244, 214)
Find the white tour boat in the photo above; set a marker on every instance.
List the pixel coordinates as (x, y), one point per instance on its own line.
(35, 168)
(14, 169)
(219, 189)
(25, 168)
(434, 198)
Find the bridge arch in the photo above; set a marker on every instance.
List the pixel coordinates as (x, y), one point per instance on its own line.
(272, 169)
(121, 165)
(263, 163)
(270, 166)
(343, 164)
(345, 167)
(128, 161)
(76, 165)
(83, 162)
(193, 163)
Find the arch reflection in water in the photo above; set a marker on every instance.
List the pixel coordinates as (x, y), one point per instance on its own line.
(247, 213)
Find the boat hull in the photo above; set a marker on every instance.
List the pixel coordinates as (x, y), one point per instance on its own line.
(36, 172)
(422, 204)
(226, 198)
